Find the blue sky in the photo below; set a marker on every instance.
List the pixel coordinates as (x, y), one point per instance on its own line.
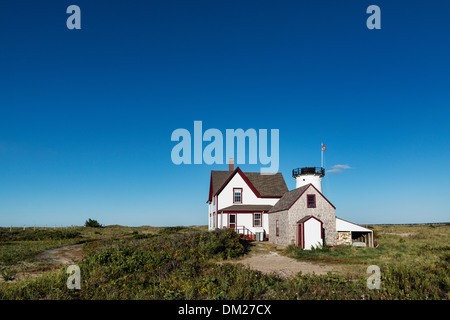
(86, 115)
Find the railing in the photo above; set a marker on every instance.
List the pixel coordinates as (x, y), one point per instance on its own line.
(245, 232)
(308, 170)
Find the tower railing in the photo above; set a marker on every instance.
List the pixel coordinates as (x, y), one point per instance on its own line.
(308, 170)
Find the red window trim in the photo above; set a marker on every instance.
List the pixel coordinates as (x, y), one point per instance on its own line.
(241, 195)
(307, 200)
(253, 219)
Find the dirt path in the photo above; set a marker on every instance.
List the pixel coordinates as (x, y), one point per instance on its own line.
(63, 255)
(267, 260)
(47, 260)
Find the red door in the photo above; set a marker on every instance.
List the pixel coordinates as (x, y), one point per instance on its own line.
(232, 221)
(300, 235)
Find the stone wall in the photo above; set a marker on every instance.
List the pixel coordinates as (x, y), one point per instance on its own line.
(282, 217)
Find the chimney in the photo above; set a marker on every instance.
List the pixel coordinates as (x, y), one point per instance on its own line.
(231, 164)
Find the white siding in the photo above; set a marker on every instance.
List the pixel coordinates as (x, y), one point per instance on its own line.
(246, 220)
(248, 197)
(212, 213)
(225, 199)
(303, 180)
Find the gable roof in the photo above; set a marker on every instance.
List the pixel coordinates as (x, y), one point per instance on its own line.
(289, 198)
(263, 185)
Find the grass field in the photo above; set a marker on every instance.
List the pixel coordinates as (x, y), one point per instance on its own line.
(181, 263)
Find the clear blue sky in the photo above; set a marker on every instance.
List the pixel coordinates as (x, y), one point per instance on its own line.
(86, 115)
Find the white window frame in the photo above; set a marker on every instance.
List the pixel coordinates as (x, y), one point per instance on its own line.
(255, 219)
(240, 195)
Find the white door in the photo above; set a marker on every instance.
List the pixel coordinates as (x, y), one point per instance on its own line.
(310, 234)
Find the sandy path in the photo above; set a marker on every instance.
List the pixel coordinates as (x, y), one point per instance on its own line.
(269, 261)
(47, 260)
(63, 255)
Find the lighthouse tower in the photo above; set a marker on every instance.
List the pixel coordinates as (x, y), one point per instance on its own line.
(307, 175)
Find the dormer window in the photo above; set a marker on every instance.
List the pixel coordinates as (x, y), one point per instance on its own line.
(311, 200)
(237, 195)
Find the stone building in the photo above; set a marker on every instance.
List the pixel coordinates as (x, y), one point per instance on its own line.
(288, 215)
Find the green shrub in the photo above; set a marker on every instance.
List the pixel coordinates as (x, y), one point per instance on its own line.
(171, 230)
(38, 235)
(402, 281)
(92, 223)
(7, 274)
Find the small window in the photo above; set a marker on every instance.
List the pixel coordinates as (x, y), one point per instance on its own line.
(237, 195)
(277, 229)
(311, 200)
(257, 219)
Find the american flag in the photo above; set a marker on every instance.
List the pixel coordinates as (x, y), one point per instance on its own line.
(324, 147)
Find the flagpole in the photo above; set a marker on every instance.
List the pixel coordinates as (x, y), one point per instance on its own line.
(321, 156)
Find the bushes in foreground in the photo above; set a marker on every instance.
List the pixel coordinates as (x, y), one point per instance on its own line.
(181, 265)
(164, 266)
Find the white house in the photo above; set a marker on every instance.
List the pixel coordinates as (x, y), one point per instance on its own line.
(241, 200)
(260, 207)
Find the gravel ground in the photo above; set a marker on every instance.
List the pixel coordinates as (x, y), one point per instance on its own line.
(267, 260)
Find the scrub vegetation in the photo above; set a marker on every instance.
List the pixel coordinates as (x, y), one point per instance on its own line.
(182, 263)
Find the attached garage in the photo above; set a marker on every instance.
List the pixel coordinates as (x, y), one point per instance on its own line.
(349, 233)
(309, 233)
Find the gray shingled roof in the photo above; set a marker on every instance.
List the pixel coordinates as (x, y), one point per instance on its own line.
(288, 199)
(248, 207)
(266, 184)
(218, 178)
(304, 219)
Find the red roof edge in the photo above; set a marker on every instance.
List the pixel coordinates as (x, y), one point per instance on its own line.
(310, 218)
(323, 196)
(311, 185)
(210, 190)
(244, 177)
